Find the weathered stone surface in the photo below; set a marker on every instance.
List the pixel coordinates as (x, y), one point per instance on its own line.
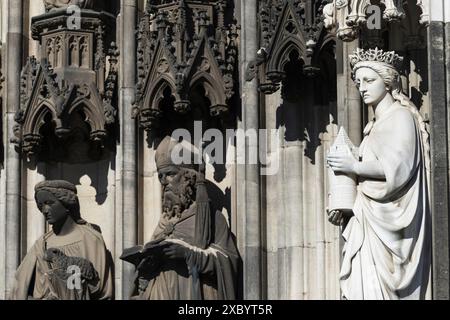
(261, 61)
(439, 159)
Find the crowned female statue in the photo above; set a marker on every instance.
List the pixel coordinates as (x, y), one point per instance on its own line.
(70, 261)
(387, 250)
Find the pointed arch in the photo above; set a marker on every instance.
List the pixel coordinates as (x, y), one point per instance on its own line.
(281, 55)
(213, 90)
(36, 119)
(94, 117)
(156, 92)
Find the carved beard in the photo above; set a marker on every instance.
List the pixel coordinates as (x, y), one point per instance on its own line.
(177, 199)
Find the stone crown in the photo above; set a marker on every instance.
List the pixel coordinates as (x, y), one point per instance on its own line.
(376, 55)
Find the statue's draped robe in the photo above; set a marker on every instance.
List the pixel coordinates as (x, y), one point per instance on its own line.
(216, 266)
(32, 280)
(387, 250)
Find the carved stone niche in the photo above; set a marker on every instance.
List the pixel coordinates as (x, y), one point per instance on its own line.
(72, 77)
(182, 45)
(287, 25)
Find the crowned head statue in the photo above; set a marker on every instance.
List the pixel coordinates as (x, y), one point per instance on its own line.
(376, 73)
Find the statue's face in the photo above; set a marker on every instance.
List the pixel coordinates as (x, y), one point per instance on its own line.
(178, 189)
(371, 86)
(53, 210)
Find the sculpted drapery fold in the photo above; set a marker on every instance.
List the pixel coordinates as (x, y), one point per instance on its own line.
(387, 250)
(192, 254)
(70, 261)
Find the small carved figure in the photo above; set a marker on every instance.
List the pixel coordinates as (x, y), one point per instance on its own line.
(56, 4)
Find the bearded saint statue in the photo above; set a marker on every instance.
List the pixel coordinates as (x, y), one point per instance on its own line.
(192, 254)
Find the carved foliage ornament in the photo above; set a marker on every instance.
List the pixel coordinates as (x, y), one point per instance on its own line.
(72, 76)
(182, 44)
(345, 17)
(287, 25)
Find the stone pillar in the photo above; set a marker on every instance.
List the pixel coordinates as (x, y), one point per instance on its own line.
(36, 8)
(14, 43)
(32, 173)
(348, 98)
(349, 107)
(126, 179)
(437, 45)
(35, 220)
(247, 176)
(3, 18)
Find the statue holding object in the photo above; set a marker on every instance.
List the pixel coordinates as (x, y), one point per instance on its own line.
(387, 251)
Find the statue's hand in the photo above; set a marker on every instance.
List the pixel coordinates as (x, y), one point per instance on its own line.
(344, 163)
(175, 251)
(336, 217)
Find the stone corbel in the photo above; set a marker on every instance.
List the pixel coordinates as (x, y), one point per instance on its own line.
(424, 5)
(345, 17)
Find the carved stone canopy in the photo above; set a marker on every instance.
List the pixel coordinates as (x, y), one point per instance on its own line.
(71, 76)
(182, 44)
(345, 17)
(287, 26)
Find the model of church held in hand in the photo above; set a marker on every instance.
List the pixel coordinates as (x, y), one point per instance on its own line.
(330, 118)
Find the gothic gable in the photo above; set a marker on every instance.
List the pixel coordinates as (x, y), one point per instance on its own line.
(71, 77)
(182, 44)
(287, 26)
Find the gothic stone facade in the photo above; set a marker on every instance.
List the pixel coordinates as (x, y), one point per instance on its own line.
(89, 104)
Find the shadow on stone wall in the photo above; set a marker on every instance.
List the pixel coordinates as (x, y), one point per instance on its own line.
(308, 102)
(75, 156)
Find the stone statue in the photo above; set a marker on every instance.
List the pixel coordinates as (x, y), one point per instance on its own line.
(387, 232)
(69, 262)
(191, 254)
(57, 4)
